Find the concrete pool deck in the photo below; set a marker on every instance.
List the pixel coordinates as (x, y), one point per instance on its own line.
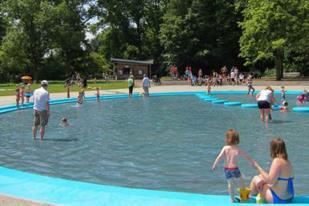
(301, 85)
(6, 200)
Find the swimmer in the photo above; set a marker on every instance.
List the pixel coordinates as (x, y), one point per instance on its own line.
(230, 153)
(283, 94)
(64, 122)
(284, 107)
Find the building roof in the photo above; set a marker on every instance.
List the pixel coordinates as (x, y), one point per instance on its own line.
(128, 61)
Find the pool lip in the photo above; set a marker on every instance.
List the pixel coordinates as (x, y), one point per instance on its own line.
(52, 189)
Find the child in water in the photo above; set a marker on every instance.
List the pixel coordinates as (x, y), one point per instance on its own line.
(28, 92)
(17, 96)
(284, 107)
(98, 94)
(230, 153)
(64, 122)
(283, 94)
(302, 98)
(80, 98)
(209, 87)
(22, 94)
(250, 86)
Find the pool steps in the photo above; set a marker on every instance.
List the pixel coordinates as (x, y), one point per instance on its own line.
(213, 99)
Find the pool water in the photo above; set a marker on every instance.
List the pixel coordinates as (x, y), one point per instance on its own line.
(162, 143)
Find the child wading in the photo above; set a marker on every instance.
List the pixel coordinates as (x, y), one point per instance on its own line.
(250, 86)
(230, 153)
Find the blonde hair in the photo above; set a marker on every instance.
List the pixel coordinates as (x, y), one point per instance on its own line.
(232, 137)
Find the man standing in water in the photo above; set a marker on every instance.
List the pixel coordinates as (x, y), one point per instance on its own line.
(146, 85)
(41, 109)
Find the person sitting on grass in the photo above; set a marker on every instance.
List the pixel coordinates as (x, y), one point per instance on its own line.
(230, 153)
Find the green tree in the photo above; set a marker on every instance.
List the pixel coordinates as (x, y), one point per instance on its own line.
(29, 25)
(68, 33)
(130, 29)
(201, 33)
(275, 30)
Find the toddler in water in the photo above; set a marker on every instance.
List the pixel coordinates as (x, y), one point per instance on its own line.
(283, 94)
(64, 122)
(302, 98)
(230, 153)
(98, 94)
(250, 86)
(17, 97)
(209, 87)
(22, 94)
(284, 107)
(81, 96)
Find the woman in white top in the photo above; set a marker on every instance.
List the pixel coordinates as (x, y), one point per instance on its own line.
(264, 100)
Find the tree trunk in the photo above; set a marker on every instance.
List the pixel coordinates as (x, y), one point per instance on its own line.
(279, 64)
(35, 73)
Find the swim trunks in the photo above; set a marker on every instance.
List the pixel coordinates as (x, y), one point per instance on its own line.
(232, 172)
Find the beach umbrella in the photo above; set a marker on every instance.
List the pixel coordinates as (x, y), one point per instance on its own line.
(26, 78)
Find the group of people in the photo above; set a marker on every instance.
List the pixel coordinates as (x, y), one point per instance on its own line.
(265, 99)
(75, 78)
(234, 77)
(145, 83)
(274, 186)
(41, 102)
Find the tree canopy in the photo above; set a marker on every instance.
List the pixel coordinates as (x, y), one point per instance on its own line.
(278, 31)
(48, 38)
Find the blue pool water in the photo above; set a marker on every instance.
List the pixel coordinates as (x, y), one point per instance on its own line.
(163, 143)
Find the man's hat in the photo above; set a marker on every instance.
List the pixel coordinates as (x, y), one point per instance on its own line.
(44, 82)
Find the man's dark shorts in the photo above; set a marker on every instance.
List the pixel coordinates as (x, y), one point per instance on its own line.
(40, 118)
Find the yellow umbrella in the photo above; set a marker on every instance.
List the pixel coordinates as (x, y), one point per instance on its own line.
(26, 78)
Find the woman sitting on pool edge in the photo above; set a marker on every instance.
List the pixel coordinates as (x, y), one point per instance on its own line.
(277, 185)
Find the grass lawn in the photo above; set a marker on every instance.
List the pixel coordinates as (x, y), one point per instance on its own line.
(58, 86)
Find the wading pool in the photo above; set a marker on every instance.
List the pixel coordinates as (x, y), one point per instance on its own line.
(165, 143)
